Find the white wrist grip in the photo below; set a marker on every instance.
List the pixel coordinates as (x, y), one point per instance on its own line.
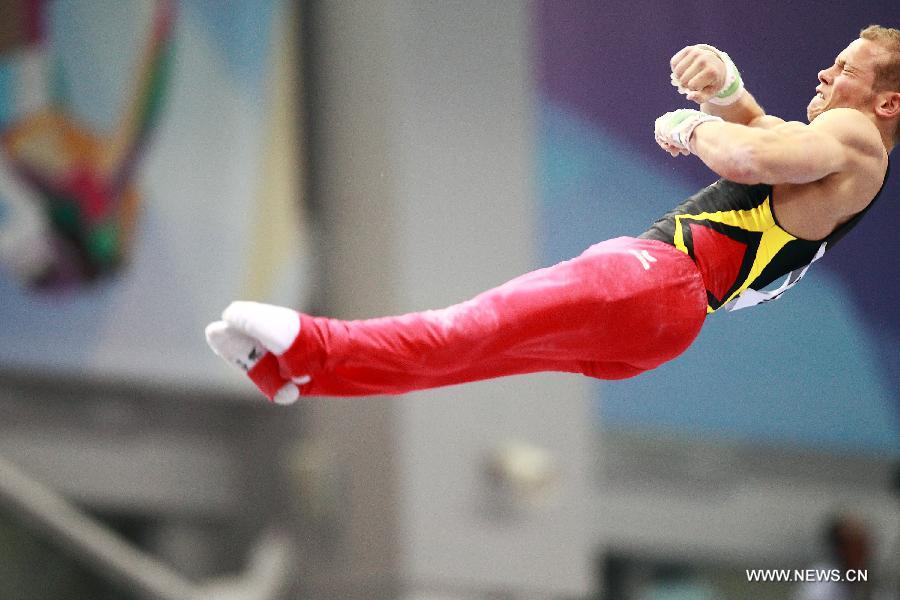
(733, 88)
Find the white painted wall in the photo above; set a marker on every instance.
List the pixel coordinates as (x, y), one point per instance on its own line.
(425, 171)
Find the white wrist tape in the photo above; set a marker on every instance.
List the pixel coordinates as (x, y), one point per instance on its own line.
(677, 127)
(733, 88)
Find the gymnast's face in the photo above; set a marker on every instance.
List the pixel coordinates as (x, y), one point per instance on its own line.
(848, 82)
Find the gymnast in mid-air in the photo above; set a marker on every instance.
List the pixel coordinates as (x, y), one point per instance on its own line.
(788, 192)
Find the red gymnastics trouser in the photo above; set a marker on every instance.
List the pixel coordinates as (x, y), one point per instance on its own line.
(622, 307)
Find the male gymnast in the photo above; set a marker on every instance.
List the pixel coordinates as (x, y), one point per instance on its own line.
(789, 191)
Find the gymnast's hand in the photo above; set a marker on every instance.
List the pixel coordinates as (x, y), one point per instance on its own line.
(705, 74)
(252, 337)
(673, 130)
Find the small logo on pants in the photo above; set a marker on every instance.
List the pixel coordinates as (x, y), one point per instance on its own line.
(644, 257)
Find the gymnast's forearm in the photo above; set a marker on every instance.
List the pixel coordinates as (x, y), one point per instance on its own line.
(745, 111)
(731, 150)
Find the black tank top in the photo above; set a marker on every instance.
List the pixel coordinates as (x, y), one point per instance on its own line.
(730, 231)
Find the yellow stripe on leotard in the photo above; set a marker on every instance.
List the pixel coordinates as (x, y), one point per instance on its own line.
(758, 219)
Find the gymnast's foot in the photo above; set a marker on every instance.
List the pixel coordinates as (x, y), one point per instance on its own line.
(251, 336)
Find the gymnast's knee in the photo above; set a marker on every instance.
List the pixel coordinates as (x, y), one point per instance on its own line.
(610, 370)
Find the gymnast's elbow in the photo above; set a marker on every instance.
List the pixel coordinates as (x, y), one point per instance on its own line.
(745, 163)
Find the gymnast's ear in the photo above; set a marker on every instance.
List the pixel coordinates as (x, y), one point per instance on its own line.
(888, 105)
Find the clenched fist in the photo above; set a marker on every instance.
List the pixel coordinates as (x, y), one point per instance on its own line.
(705, 74)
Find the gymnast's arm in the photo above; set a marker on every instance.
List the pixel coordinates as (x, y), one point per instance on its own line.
(700, 71)
(746, 111)
(791, 152)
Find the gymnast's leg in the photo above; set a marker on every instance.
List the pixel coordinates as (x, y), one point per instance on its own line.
(621, 307)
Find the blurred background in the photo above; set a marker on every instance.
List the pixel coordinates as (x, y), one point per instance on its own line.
(160, 158)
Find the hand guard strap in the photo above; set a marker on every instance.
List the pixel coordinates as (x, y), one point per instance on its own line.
(676, 127)
(734, 85)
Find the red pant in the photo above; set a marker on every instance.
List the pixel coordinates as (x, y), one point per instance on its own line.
(610, 313)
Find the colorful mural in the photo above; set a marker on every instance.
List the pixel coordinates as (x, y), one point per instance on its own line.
(149, 174)
(71, 186)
